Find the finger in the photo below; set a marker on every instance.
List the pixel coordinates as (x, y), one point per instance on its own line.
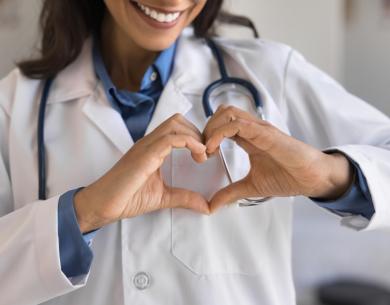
(164, 146)
(193, 131)
(246, 145)
(260, 136)
(154, 155)
(176, 124)
(181, 198)
(189, 125)
(231, 193)
(184, 127)
(224, 115)
(179, 125)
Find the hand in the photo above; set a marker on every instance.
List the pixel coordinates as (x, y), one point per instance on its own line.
(280, 164)
(134, 185)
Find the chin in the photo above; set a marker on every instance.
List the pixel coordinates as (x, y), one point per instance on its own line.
(156, 44)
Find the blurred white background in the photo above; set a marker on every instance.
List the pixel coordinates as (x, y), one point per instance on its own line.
(355, 52)
(351, 41)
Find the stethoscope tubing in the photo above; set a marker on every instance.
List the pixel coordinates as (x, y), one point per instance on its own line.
(41, 140)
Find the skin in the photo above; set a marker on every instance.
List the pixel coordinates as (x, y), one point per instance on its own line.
(280, 164)
(130, 45)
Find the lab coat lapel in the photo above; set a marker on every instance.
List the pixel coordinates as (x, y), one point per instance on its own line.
(188, 78)
(108, 120)
(172, 101)
(78, 82)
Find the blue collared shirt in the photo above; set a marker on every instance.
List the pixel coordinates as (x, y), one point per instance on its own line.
(75, 253)
(152, 84)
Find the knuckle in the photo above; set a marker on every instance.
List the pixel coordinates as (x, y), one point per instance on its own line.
(178, 117)
(168, 138)
(173, 126)
(230, 113)
(186, 138)
(249, 124)
(230, 108)
(172, 119)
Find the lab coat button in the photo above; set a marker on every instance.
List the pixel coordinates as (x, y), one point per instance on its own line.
(153, 76)
(141, 280)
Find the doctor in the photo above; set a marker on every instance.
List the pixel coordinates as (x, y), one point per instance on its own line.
(131, 219)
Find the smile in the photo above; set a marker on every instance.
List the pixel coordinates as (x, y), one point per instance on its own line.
(159, 16)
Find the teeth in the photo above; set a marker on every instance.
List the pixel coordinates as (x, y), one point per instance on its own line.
(158, 16)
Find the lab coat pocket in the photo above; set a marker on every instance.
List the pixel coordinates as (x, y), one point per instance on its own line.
(230, 241)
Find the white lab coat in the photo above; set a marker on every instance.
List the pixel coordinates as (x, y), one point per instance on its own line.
(236, 256)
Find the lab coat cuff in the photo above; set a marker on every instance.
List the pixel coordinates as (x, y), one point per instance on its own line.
(356, 200)
(379, 193)
(75, 254)
(47, 248)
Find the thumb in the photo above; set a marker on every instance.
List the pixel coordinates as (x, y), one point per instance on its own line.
(181, 198)
(233, 192)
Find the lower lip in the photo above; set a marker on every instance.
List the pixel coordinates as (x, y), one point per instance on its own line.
(152, 22)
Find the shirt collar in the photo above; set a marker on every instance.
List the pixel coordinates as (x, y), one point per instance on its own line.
(163, 65)
(79, 78)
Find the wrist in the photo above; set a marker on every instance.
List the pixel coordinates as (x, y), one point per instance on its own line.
(338, 178)
(86, 216)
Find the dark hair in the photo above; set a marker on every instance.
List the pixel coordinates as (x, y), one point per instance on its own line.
(66, 24)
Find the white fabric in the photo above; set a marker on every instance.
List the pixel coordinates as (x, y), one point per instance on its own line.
(236, 256)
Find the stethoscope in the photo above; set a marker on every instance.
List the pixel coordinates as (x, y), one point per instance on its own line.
(242, 87)
(214, 90)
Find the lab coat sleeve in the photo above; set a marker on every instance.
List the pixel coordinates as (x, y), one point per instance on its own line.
(30, 269)
(322, 113)
(356, 200)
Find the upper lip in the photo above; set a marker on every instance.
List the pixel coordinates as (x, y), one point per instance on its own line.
(163, 10)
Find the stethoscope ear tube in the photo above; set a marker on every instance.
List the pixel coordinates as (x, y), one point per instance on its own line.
(41, 140)
(227, 80)
(231, 81)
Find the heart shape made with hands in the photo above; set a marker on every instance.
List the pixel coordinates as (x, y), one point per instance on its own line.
(264, 162)
(211, 177)
(279, 164)
(208, 177)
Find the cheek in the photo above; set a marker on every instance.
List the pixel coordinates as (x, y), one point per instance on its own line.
(117, 9)
(199, 5)
(196, 10)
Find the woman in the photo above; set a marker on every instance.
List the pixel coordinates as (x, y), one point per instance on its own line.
(130, 218)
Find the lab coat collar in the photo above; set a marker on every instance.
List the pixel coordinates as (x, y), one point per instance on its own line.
(78, 81)
(193, 70)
